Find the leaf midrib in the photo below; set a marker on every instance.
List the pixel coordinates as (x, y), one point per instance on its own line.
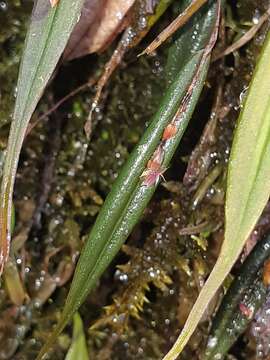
(129, 200)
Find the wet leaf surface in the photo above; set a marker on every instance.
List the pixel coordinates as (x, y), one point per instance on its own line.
(125, 203)
(41, 54)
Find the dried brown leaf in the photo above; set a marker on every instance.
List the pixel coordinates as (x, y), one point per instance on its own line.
(100, 22)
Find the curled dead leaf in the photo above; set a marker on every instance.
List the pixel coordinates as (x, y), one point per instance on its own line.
(100, 22)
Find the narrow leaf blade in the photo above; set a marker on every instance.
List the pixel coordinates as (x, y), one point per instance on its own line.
(248, 188)
(129, 196)
(78, 348)
(47, 36)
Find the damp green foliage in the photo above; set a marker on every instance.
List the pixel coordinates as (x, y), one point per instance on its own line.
(78, 346)
(47, 36)
(247, 292)
(152, 265)
(128, 198)
(81, 180)
(147, 266)
(248, 188)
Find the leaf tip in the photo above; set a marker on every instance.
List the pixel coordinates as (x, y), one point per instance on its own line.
(178, 346)
(142, 53)
(54, 3)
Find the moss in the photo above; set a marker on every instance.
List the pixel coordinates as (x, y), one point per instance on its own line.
(168, 256)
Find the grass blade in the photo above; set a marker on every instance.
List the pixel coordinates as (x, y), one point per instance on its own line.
(248, 188)
(47, 36)
(130, 193)
(78, 348)
(247, 292)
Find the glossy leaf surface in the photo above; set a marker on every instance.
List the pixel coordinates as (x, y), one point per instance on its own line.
(78, 348)
(129, 196)
(47, 36)
(248, 188)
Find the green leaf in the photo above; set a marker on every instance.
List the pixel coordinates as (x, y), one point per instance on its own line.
(78, 349)
(13, 282)
(247, 290)
(130, 195)
(248, 188)
(48, 34)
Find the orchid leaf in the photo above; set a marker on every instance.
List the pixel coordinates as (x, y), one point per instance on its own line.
(78, 348)
(47, 36)
(131, 192)
(246, 294)
(248, 188)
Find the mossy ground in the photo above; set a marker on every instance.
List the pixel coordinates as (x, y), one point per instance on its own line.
(63, 179)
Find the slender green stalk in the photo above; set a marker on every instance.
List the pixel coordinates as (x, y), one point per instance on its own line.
(139, 177)
(248, 189)
(47, 36)
(78, 348)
